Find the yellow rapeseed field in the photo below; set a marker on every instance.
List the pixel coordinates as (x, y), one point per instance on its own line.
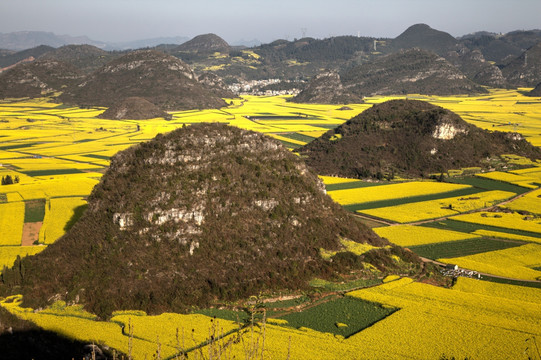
(8, 254)
(504, 235)
(443, 207)
(193, 329)
(84, 329)
(520, 180)
(531, 172)
(392, 191)
(514, 263)
(11, 223)
(349, 245)
(530, 202)
(330, 180)
(407, 235)
(474, 319)
(503, 220)
(58, 211)
(466, 321)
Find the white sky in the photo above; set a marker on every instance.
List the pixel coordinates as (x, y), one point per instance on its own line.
(122, 20)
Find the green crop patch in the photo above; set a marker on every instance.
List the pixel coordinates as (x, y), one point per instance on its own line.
(328, 126)
(344, 286)
(97, 156)
(298, 137)
(488, 184)
(290, 145)
(34, 210)
(354, 184)
(533, 284)
(52, 172)
(18, 146)
(467, 227)
(225, 314)
(345, 316)
(285, 117)
(451, 249)
(411, 199)
(3, 198)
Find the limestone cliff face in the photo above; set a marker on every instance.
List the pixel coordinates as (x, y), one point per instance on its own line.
(447, 131)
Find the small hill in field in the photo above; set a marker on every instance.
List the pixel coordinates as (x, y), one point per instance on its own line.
(424, 37)
(326, 88)
(413, 71)
(134, 108)
(162, 79)
(526, 69)
(409, 138)
(204, 214)
(37, 78)
(86, 58)
(204, 43)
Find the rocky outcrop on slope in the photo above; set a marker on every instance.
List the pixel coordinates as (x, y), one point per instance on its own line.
(326, 88)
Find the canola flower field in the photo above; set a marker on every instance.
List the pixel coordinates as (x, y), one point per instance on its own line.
(475, 318)
(58, 153)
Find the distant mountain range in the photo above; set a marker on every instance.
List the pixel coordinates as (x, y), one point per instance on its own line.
(342, 69)
(22, 40)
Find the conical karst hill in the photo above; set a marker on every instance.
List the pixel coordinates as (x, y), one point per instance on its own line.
(134, 108)
(410, 138)
(164, 80)
(424, 37)
(413, 71)
(205, 213)
(38, 78)
(86, 58)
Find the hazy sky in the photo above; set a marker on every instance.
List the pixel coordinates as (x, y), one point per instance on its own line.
(121, 20)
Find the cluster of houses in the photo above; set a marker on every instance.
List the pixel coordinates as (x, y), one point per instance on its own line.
(455, 271)
(256, 87)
